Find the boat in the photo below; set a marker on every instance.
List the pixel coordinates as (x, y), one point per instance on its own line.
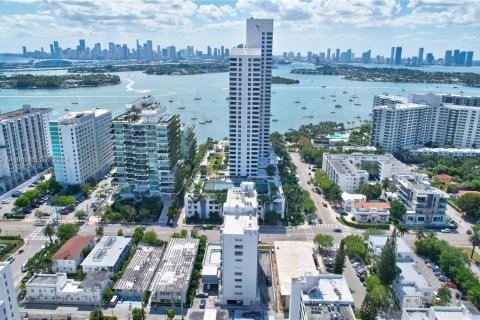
(274, 120)
(182, 106)
(333, 95)
(354, 96)
(66, 109)
(322, 97)
(403, 89)
(197, 97)
(74, 100)
(345, 91)
(208, 121)
(324, 86)
(170, 100)
(338, 106)
(334, 100)
(358, 102)
(350, 100)
(332, 111)
(194, 117)
(298, 100)
(310, 116)
(462, 92)
(202, 122)
(357, 117)
(304, 107)
(290, 129)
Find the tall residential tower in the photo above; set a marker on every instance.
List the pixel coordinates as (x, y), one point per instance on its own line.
(249, 103)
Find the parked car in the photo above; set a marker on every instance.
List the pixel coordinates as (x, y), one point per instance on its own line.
(64, 212)
(446, 230)
(5, 201)
(435, 296)
(10, 259)
(17, 194)
(202, 295)
(22, 295)
(443, 278)
(202, 303)
(24, 267)
(450, 284)
(39, 223)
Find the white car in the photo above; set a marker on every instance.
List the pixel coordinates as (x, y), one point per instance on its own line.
(446, 231)
(5, 201)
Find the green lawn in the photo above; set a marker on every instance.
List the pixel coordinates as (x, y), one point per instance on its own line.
(13, 246)
(468, 252)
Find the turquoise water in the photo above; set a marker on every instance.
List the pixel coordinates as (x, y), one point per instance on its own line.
(213, 89)
(339, 136)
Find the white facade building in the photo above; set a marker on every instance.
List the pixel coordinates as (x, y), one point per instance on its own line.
(249, 99)
(466, 311)
(346, 169)
(314, 295)
(24, 151)
(57, 289)
(68, 258)
(82, 146)
(426, 205)
(242, 201)
(448, 152)
(404, 253)
(411, 288)
(240, 260)
(108, 254)
(348, 199)
(437, 119)
(8, 297)
(371, 212)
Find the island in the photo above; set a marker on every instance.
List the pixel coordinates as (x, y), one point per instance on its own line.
(157, 69)
(281, 80)
(30, 81)
(358, 73)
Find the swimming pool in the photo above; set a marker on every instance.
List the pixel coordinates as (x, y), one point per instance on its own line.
(343, 135)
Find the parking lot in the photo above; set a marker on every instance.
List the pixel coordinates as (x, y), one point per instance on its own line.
(265, 279)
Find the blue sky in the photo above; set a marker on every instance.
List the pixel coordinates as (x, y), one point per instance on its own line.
(313, 25)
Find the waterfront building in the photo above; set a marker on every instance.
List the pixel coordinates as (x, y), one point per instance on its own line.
(8, 297)
(81, 146)
(348, 170)
(57, 289)
(449, 152)
(24, 150)
(420, 56)
(108, 254)
(426, 205)
(68, 258)
(136, 278)
(249, 102)
(398, 55)
(172, 279)
(147, 150)
(188, 141)
(239, 260)
(439, 120)
(469, 59)
(319, 295)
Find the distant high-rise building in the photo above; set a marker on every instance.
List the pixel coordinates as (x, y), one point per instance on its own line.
(209, 52)
(249, 101)
(227, 52)
(328, 54)
(172, 52)
(337, 55)
(81, 45)
(430, 58)
(398, 55)
(469, 59)
(448, 58)
(420, 57)
(366, 56)
(463, 57)
(392, 56)
(24, 50)
(8, 299)
(82, 146)
(456, 56)
(222, 51)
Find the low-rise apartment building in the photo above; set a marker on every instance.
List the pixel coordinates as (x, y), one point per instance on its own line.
(411, 288)
(466, 311)
(108, 255)
(348, 199)
(404, 253)
(68, 258)
(371, 212)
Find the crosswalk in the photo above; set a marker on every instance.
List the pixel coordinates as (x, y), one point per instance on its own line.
(324, 226)
(38, 235)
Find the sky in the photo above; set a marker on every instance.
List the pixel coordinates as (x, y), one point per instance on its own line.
(299, 25)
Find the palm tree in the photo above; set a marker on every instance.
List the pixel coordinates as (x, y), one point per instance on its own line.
(473, 295)
(402, 229)
(49, 231)
(474, 240)
(419, 233)
(431, 235)
(444, 294)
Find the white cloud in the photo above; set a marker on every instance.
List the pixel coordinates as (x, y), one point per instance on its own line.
(211, 12)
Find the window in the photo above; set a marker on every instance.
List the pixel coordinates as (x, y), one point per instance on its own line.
(238, 253)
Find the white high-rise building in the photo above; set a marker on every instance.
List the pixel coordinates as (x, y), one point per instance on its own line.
(8, 298)
(24, 151)
(439, 120)
(82, 146)
(239, 260)
(249, 102)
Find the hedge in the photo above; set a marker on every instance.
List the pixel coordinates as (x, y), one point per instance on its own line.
(357, 225)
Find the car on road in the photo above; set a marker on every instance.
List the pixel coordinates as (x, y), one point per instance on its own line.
(202, 295)
(17, 194)
(39, 223)
(446, 231)
(10, 259)
(202, 303)
(24, 267)
(337, 230)
(450, 284)
(32, 186)
(435, 296)
(5, 201)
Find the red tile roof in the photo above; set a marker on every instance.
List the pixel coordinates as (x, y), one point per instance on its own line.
(444, 177)
(72, 248)
(383, 205)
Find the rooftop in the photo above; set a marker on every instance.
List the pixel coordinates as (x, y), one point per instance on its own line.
(412, 276)
(353, 196)
(244, 196)
(26, 110)
(72, 248)
(464, 312)
(94, 280)
(379, 243)
(107, 251)
(294, 259)
(372, 204)
(401, 106)
(212, 259)
(141, 269)
(464, 192)
(46, 279)
(176, 265)
(237, 224)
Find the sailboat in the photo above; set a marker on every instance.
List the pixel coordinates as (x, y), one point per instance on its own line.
(208, 121)
(182, 106)
(345, 91)
(322, 97)
(358, 102)
(354, 96)
(170, 100)
(304, 106)
(298, 100)
(197, 97)
(194, 117)
(333, 95)
(74, 100)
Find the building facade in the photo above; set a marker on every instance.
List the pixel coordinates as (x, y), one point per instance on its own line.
(81, 146)
(108, 254)
(8, 297)
(147, 151)
(249, 99)
(411, 288)
(239, 260)
(371, 212)
(24, 149)
(68, 258)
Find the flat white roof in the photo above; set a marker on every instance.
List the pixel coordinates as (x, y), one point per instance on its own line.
(352, 196)
(107, 251)
(294, 259)
(331, 288)
(212, 260)
(410, 274)
(379, 243)
(238, 224)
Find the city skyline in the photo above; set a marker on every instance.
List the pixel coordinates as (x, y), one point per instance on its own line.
(353, 25)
